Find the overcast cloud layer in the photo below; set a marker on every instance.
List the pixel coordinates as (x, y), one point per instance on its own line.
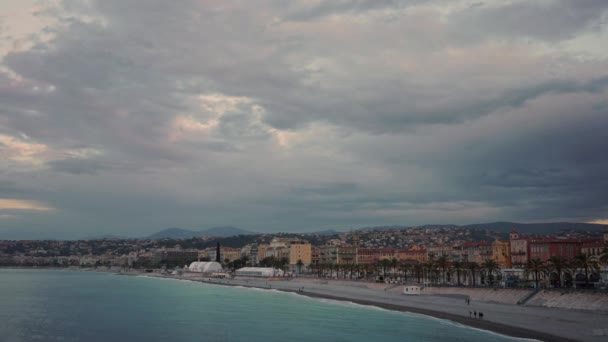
(127, 117)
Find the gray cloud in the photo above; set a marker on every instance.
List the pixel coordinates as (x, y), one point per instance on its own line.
(547, 20)
(138, 116)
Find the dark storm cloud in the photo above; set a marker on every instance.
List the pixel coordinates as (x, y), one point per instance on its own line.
(547, 20)
(136, 116)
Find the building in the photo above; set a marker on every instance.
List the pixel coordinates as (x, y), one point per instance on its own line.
(592, 247)
(544, 249)
(413, 254)
(328, 254)
(174, 256)
(346, 255)
(300, 251)
(520, 250)
(501, 253)
(204, 267)
(439, 250)
(370, 256)
(262, 251)
(228, 254)
(315, 254)
(259, 272)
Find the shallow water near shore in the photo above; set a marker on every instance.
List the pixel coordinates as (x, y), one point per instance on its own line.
(54, 305)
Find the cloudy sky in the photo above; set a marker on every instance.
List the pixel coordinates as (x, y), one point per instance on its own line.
(126, 117)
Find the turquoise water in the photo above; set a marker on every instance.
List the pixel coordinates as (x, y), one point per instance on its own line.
(46, 305)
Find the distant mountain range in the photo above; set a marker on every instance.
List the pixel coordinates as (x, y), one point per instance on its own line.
(179, 233)
(531, 228)
(500, 227)
(506, 227)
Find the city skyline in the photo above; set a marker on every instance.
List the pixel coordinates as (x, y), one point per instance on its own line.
(125, 118)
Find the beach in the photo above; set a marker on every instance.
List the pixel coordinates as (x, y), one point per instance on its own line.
(540, 323)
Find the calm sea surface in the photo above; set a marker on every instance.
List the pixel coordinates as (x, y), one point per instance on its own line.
(45, 305)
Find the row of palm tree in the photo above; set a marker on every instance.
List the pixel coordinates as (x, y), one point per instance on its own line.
(443, 270)
(562, 266)
(436, 270)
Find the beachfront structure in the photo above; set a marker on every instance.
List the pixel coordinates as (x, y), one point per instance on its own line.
(411, 290)
(300, 253)
(228, 254)
(346, 255)
(520, 249)
(259, 272)
(501, 253)
(543, 249)
(370, 256)
(440, 250)
(261, 251)
(174, 256)
(328, 254)
(593, 247)
(472, 252)
(204, 267)
(415, 253)
(314, 257)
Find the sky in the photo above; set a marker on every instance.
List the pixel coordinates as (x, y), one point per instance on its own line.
(127, 117)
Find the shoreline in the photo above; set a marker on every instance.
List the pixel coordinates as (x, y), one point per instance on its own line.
(490, 326)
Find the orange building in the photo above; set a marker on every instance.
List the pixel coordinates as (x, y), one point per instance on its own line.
(501, 253)
(415, 253)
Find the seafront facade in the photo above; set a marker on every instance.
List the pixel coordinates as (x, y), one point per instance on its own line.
(519, 261)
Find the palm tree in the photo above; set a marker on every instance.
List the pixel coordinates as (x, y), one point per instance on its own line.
(394, 263)
(473, 267)
(457, 265)
(443, 264)
(604, 256)
(405, 268)
(491, 267)
(299, 264)
(384, 264)
(418, 270)
(536, 267)
(558, 264)
(586, 262)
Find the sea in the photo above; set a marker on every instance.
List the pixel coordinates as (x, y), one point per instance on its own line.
(65, 305)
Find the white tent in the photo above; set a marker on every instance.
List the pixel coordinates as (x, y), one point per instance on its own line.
(205, 266)
(259, 272)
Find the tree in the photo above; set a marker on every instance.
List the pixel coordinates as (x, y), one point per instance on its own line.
(418, 270)
(491, 267)
(299, 264)
(457, 265)
(604, 256)
(394, 263)
(536, 267)
(473, 267)
(443, 264)
(586, 262)
(558, 264)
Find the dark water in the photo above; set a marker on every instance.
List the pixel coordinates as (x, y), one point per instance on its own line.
(45, 305)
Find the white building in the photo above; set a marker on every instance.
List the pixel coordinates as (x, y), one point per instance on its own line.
(259, 272)
(204, 267)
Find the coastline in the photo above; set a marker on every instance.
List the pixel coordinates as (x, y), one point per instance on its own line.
(433, 306)
(494, 327)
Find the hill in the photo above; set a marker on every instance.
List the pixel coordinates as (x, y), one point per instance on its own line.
(179, 233)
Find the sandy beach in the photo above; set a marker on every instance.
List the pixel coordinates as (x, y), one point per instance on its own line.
(540, 323)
